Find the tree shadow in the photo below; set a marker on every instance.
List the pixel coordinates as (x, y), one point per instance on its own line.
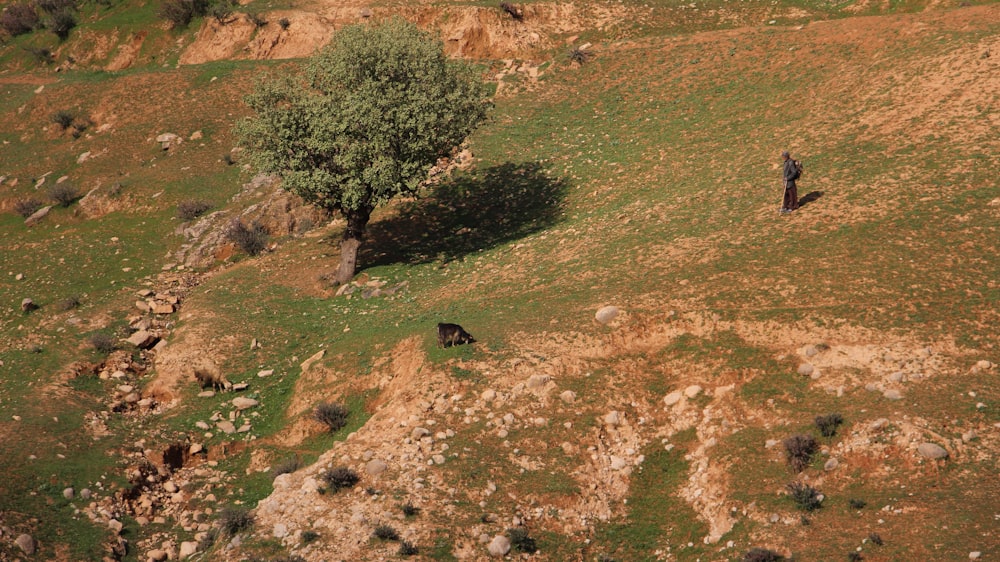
(809, 198)
(467, 213)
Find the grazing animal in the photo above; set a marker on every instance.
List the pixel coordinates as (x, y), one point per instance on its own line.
(211, 379)
(453, 334)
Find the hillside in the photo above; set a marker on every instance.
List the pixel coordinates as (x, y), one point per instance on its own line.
(645, 179)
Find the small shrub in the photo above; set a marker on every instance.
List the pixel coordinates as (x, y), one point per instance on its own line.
(180, 12)
(828, 424)
(579, 55)
(208, 540)
(251, 239)
(63, 118)
(192, 209)
(876, 539)
(233, 520)
(102, 342)
(62, 23)
(69, 303)
(284, 23)
(222, 11)
(857, 504)
(757, 554)
(332, 415)
(520, 540)
(79, 126)
(385, 533)
(257, 19)
(27, 207)
(855, 556)
(799, 450)
(19, 19)
(228, 159)
(407, 548)
(286, 466)
(64, 194)
(309, 536)
(409, 510)
(53, 6)
(340, 478)
(805, 496)
(42, 55)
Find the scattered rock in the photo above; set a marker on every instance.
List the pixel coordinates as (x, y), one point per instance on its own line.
(568, 396)
(143, 339)
(892, 394)
(932, 451)
(83, 157)
(375, 467)
(672, 398)
(537, 381)
(499, 546)
(156, 555)
(27, 544)
(419, 432)
(489, 395)
(68, 493)
(242, 403)
(974, 555)
(613, 418)
(692, 391)
(85, 493)
(606, 314)
(771, 443)
(226, 426)
(37, 215)
(309, 362)
(28, 305)
(618, 463)
(187, 549)
(806, 369)
(831, 464)
(265, 373)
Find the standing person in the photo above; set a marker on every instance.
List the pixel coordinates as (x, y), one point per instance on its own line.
(790, 173)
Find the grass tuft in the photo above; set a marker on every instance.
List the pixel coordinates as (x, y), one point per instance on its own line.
(332, 415)
(805, 496)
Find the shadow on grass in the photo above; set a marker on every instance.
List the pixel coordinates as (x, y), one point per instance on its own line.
(809, 198)
(468, 213)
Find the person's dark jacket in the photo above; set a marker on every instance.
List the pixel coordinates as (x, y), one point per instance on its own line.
(789, 172)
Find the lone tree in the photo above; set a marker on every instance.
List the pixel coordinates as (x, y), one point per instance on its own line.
(373, 111)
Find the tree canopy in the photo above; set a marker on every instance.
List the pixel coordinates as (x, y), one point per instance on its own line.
(364, 122)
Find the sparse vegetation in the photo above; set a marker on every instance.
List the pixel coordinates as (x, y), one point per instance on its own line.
(410, 510)
(757, 554)
(799, 450)
(19, 18)
(222, 11)
(407, 548)
(27, 207)
(190, 209)
(855, 556)
(332, 415)
(284, 23)
(257, 19)
(579, 55)
(876, 539)
(286, 466)
(857, 504)
(805, 496)
(103, 342)
(235, 520)
(63, 194)
(251, 239)
(208, 541)
(180, 12)
(385, 533)
(309, 536)
(61, 23)
(42, 55)
(340, 478)
(828, 424)
(63, 118)
(521, 541)
(69, 303)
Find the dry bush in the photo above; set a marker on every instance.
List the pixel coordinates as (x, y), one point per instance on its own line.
(102, 342)
(757, 554)
(332, 415)
(27, 207)
(233, 520)
(63, 118)
(340, 478)
(251, 239)
(828, 424)
(286, 466)
(64, 194)
(19, 19)
(61, 23)
(799, 450)
(579, 55)
(521, 541)
(69, 303)
(192, 208)
(805, 496)
(386, 533)
(180, 12)
(408, 549)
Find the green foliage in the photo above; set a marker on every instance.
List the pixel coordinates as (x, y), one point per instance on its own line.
(374, 111)
(805, 496)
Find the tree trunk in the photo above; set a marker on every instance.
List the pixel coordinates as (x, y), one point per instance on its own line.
(357, 220)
